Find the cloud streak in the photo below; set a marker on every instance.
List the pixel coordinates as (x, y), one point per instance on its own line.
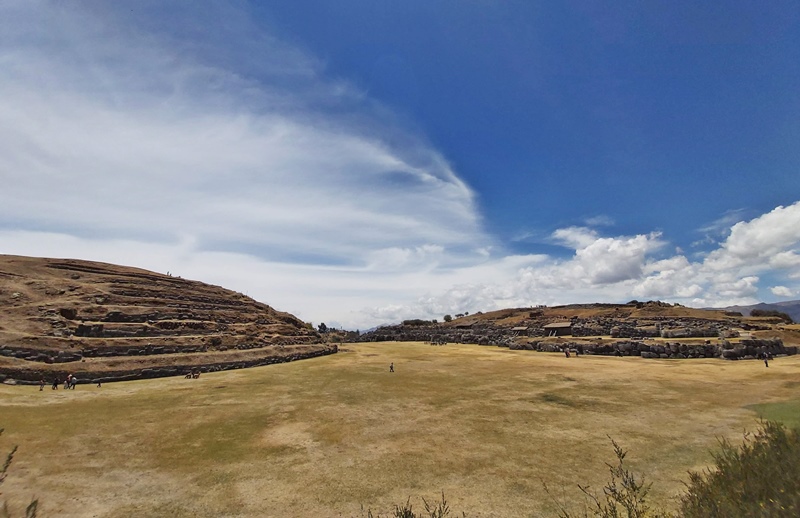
(123, 136)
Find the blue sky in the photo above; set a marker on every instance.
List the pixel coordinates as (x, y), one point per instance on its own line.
(361, 162)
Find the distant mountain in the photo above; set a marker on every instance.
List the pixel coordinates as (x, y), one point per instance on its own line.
(790, 307)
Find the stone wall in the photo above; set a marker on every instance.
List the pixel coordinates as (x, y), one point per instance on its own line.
(747, 349)
(33, 375)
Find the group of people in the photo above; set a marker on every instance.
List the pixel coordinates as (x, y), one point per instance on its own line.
(69, 383)
(766, 356)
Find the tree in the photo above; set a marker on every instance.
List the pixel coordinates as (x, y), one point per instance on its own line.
(448, 318)
(322, 328)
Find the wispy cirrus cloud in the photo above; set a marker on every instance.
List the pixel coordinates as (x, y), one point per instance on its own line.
(600, 221)
(119, 133)
(716, 231)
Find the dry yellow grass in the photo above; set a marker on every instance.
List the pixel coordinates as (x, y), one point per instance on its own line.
(320, 437)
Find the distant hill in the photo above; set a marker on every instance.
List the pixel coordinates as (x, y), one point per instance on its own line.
(790, 307)
(506, 325)
(99, 320)
(645, 329)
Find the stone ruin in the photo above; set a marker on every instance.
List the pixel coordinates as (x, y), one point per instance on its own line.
(629, 337)
(745, 350)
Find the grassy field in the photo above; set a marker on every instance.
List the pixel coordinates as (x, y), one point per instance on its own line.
(321, 437)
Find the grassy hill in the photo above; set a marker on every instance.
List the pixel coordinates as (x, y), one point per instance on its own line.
(99, 320)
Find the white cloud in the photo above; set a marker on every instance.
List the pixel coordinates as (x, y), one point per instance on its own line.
(575, 237)
(669, 278)
(126, 136)
(782, 291)
(721, 226)
(608, 260)
(600, 221)
(768, 241)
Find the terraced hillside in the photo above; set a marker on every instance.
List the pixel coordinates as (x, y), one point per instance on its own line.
(649, 329)
(102, 321)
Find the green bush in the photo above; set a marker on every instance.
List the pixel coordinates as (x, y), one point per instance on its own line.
(759, 478)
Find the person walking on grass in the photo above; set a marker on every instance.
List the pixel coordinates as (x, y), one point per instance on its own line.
(55, 383)
(391, 367)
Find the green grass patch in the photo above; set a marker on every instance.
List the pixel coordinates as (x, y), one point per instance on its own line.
(786, 412)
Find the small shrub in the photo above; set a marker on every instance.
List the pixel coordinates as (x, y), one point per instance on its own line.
(759, 478)
(623, 495)
(435, 509)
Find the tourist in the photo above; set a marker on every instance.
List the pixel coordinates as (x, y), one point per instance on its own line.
(391, 367)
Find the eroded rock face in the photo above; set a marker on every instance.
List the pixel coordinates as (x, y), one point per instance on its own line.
(58, 311)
